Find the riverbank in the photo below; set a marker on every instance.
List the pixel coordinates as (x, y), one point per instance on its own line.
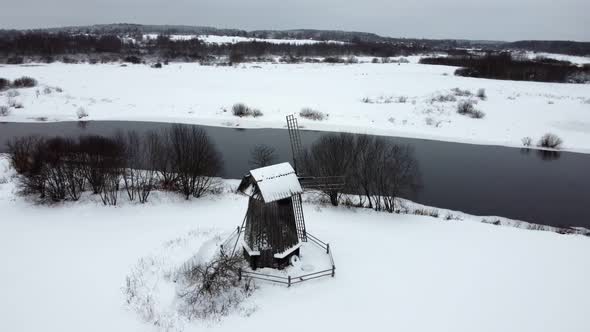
(403, 100)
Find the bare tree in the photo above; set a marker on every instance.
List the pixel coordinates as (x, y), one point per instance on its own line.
(395, 174)
(138, 171)
(160, 157)
(331, 155)
(195, 160)
(262, 155)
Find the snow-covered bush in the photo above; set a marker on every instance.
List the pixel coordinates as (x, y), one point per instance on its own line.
(527, 141)
(432, 122)
(352, 59)
(312, 114)
(47, 90)
(461, 93)
(441, 98)
(402, 99)
(4, 110)
(12, 93)
(367, 100)
(214, 288)
(14, 103)
(579, 77)
(241, 110)
(81, 113)
(481, 94)
(551, 141)
(467, 107)
(24, 82)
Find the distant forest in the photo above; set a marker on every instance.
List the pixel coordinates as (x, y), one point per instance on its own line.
(126, 42)
(48, 45)
(505, 66)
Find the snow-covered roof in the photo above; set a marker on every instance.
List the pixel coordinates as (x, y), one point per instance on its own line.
(276, 182)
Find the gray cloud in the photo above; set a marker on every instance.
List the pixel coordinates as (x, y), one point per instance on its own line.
(493, 20)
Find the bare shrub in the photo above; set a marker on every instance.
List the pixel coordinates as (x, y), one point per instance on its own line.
(427, 212)
(257, 113)
(312, 114)
(241, 110)
(109, 192)
(214, 288)
(195, 159)
(24, 82)
(402, 99)
(526, 141)
(63, 169)
(47, 90)
(101, 156)
(461, 93)
(4, 110)
(160, 156)
(81, 112)
(441, 98)
(4, 84)
(467, 107)
(367, 100)
(262, 155)
(481, 94)
(551, 141)
(27, 157)
(50, 168)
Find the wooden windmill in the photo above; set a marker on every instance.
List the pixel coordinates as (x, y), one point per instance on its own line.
(274, 226)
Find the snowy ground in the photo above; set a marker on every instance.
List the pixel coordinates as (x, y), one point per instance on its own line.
(64, 269)
(183, 92)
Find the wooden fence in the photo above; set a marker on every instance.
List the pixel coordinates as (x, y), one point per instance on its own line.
(291, 280)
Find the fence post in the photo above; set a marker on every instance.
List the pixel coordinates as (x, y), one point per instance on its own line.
(289, 281)
(327, 248)
(240, 274)
(333, 270)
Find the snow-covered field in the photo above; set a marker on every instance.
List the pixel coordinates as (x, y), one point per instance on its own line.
(64, 268)
(214, 39)
(562, 57)
(191, 93)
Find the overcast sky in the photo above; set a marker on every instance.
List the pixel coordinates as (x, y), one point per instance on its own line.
(469, 19)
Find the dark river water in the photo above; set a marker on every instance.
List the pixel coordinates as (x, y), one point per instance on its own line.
(541, 187)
